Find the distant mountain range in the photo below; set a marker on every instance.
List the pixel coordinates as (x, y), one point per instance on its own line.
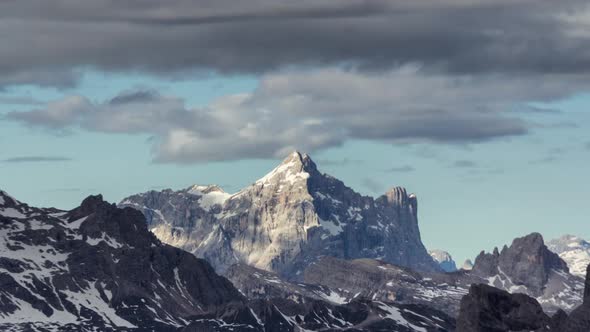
(295, 251)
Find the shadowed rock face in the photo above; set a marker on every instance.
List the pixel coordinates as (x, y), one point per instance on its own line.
(587, 286)
(526, 262)
(286, 220)
(579, 319)
(488, 309)
(98, 265)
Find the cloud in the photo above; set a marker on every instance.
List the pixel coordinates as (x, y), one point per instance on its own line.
(525, 37)
(587, 145)
(544, 160)
(309, 110)
(464, 164)
(339, 162)
(19, 100)
(36, 159)
(401, 169)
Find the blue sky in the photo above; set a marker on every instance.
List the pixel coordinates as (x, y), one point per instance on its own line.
(481, 109)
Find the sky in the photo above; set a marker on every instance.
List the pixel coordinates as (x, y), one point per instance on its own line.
(478, 107)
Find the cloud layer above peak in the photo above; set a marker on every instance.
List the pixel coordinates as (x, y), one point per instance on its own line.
(311, 110)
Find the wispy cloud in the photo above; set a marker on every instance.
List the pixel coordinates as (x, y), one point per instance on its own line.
(464, 164)
(401, 169)
(35, 159)
(544, 160)
(338, 162)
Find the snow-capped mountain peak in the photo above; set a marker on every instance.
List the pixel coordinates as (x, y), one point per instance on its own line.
(444, 260)
(287, 219)
(467, 265)
(295, 167)
(574, 250)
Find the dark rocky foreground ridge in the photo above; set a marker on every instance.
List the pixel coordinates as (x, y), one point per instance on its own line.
(98, 268)
(488, 309)
(286, 220)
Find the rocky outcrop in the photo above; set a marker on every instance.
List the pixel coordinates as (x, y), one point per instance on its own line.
(444, 260)
(372, 279)
(527, 262)
(98, 265)
(314, 304)
(579, 319)
(488, 309)
(556, 290)
(286, 220)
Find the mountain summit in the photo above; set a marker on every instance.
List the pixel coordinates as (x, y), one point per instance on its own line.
(286, 220)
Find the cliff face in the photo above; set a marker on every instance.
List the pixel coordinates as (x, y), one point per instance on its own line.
(286, 220)
(527, 262)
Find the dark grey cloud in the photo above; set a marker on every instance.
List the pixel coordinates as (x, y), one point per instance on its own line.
(134, 97)
(36, 159)
(543, 38)
(401, 169)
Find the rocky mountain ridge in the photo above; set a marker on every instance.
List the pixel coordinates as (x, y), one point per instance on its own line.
(286, 220)
(98, 268)
(341, 281)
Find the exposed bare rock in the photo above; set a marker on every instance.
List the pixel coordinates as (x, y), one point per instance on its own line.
(286, 220)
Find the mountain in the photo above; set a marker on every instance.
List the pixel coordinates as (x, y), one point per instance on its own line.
(529, 267)
(488, 309)
(259, 284)
(444, 260)
(574, 251)
(98, 268)
(341, 281)
(579, 319)
(467, 265)
(286, 220)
